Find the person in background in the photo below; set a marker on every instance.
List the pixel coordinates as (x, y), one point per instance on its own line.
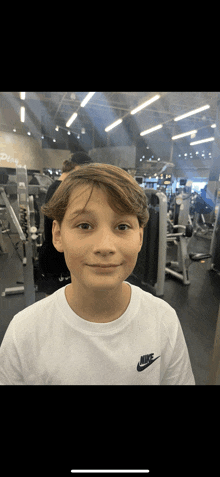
(52, 265)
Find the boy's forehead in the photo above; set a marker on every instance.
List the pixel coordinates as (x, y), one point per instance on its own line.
(79, 200)
(81, 194)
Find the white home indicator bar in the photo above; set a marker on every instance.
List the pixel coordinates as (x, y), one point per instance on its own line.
(110, 471)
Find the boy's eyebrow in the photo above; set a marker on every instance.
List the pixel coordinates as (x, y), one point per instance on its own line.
(81, 211)
(86, 211)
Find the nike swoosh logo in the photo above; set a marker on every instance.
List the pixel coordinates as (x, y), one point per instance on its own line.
(141, 368)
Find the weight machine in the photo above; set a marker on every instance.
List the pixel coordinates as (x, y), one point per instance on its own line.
(180, 236)
(27, 232)
(150, 266)
(200, 208)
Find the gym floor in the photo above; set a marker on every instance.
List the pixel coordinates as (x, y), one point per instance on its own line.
(196, 305)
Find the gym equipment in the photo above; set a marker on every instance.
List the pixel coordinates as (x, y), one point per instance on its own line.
(150, 266)
(23, 229)
(215, 243)
(3, 249)
(180, 267)
(181, 238)
(199, 208)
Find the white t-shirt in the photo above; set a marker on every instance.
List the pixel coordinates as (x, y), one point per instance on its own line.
(48, 344)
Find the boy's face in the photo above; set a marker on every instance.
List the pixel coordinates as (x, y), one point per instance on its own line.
(99, 236)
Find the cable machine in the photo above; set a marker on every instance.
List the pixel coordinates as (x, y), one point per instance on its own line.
(24, 229)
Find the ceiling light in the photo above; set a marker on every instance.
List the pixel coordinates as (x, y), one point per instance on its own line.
(195, 111)
(151, 130)
(57, 128)
(143, 105)
(86, 99)
(185, 134)
(68, 132)
(42, 137)
(54, 140)
(202, 140)
(22, 114)
(22, 95)
(113, 125)
(14, 130)
(28, 133)
(213, 125)
(71, 119)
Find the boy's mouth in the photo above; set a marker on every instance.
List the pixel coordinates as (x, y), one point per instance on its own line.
(104, 265)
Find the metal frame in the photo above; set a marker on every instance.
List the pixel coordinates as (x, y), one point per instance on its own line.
(23, 200)
(214, 239)
(158, 288)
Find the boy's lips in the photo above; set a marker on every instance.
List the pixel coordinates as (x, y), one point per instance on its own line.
(104, 265)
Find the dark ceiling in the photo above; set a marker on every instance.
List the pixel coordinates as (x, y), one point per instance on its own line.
(46, 110)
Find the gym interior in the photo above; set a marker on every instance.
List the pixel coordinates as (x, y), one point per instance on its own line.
(170, 143)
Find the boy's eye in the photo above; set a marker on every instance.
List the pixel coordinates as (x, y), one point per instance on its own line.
(124, 225)
(82, 225)
(85, 226)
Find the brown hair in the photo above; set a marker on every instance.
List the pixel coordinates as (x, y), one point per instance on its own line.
(68, 165)
(123, 192)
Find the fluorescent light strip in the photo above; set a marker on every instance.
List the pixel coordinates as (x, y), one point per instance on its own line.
(22, 95)
(184, 134)
(202, 140)
(195, 111)
(22, 114)
(134, 111)
(113, 125)
(151, 130)
(71, 119)
(86, 99)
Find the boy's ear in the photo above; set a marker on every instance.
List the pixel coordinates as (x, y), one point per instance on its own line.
(56, 236)
(141, 237)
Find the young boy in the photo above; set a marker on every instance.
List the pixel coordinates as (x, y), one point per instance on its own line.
(99, 329)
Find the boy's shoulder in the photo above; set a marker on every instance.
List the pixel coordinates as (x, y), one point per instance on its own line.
(155, 310)
(38, 312)
(157, 303)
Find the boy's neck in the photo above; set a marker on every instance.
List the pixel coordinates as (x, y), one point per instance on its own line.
(98, 307)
